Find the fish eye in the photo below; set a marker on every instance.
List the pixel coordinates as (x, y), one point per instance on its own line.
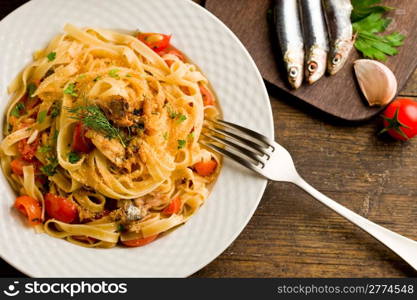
(293, 72)
(312, 66)
(336, 59)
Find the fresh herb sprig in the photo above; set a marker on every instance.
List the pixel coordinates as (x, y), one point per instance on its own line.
(363, 8)
(93, 117)
(369, 22)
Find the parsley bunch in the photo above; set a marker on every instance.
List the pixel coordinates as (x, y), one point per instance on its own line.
(368, 21)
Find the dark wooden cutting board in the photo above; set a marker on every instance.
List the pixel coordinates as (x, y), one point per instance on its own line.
(337, 95)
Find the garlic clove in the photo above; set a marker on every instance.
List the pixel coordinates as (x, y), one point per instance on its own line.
(377, 82)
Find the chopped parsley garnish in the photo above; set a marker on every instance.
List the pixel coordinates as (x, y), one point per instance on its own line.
(31, 89)
(55, 137)
(41, 116)
(49, 169)
(18, 109)
(172, 114)
(70, 90)
(55, 109)
(191, 136)
(120, 228)
(182, 118)
(113, 73)
(181, 144)
(51, 56)
(45, 149)
(369, 21)
(93, 117)
(73, 157)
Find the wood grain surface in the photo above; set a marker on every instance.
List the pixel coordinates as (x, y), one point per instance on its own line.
(338, 95)
(291, 234)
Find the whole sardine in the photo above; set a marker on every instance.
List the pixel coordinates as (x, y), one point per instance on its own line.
(315, 38)
(340, 31)
(288, 28)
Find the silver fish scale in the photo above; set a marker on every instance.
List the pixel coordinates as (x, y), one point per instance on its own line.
(338, 19)
(288, 26)
(315, 31)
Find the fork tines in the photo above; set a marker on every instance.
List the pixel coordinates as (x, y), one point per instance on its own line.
(240, 144)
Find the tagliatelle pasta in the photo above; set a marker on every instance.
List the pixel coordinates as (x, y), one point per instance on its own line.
(102, 134)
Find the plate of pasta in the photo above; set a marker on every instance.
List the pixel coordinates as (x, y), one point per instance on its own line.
(103, 105)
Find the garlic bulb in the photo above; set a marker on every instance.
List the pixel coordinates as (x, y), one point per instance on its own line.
(377, 82)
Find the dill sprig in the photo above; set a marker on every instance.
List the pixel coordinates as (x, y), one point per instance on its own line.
(93, 117)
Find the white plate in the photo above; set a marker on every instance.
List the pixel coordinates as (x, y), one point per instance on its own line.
(243, 98)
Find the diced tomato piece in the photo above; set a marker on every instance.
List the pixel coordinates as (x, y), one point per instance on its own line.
(29, 207)
(80, 142)
(27, 150)
(17, 165)
(208, 98)
(205, 168)
(60, 208)
(156, 41)
(140, 242)
(174, 207)
(172, 51)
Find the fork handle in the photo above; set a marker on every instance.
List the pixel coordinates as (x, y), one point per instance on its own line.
(402, 246)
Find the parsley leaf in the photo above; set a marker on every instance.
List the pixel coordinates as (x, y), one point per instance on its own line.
(369, 22)
(182, 118)
(31, 89)
(113, 73)
(41, 116)
(73, 157)
(120, 228)
(181, 143)
(45, 149)
(70, 90)
(51, 56)
(50, 168)
(364, 8)
(18, 109)
(55, 109)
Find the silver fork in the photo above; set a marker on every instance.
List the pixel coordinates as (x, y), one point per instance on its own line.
(269, 159)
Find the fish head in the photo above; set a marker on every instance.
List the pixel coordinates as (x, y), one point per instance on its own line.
(315, 64)
(294, 61)
(338, 56)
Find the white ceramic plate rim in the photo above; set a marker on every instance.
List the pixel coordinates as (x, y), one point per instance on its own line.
(257, 184)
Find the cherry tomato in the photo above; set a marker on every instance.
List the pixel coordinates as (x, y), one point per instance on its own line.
(172, 51)
(60, 208)
(80, 142)
(140, 242)
(174, 207)
(17, 165)
(156, 41)
(27, 151)
(400, 119)
(208, 98)
(205, 168)
(29, 207)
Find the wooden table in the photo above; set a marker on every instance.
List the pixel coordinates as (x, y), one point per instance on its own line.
(291, 234)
